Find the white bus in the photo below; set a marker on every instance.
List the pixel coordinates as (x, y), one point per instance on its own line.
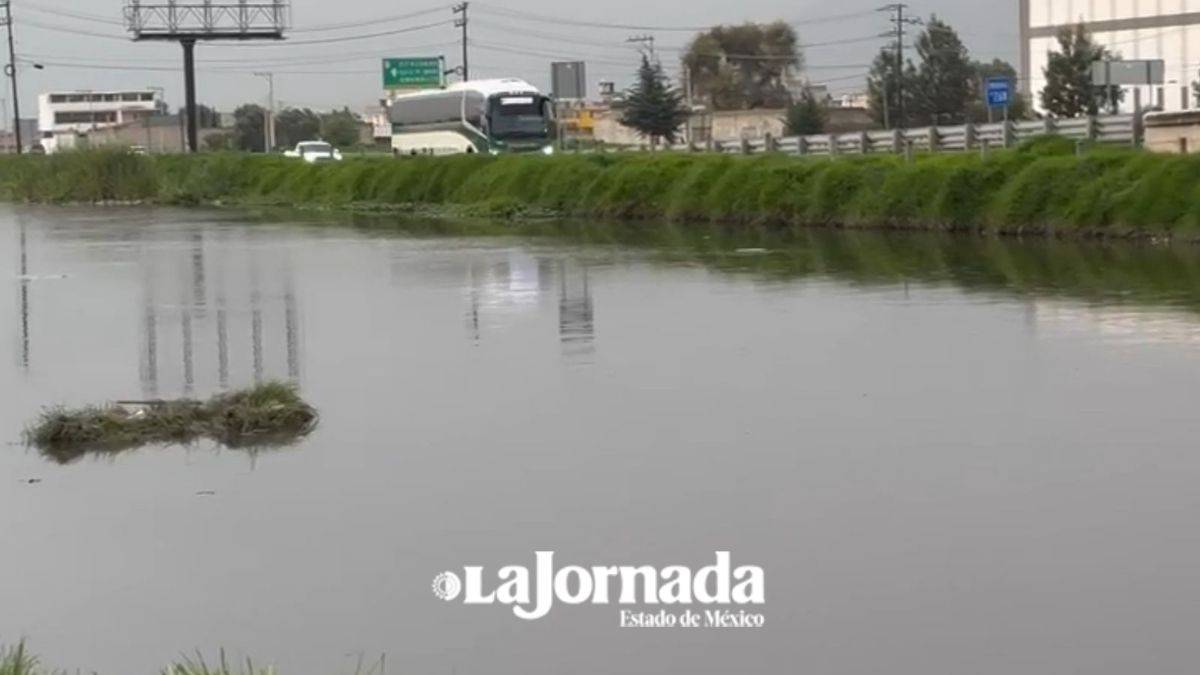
(484, 116)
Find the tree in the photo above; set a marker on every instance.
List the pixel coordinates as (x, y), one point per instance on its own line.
(294, 125)
(653, 107)
(248, 128)
(341, 128)
(207, 117)
(742, 67)
(806, 116)
(216, 142)
(1069, 89)
(1018, 107)
(886, 83)
(943, 86)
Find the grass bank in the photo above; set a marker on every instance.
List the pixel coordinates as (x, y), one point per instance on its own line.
(269, 414)
(1042, 187)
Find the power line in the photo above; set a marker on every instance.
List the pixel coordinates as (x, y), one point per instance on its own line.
(331, 27)
(352, 38)
(80, 16)
(558, 20)
(73, 31)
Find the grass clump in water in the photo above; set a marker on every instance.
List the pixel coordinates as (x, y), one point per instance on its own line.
(198, 666)
(269, 414)
(16, 660)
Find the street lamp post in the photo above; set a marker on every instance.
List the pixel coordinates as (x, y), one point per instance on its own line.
(269, 118)
(162, 94)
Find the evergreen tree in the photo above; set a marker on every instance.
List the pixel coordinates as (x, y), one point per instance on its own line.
(296, 125)
(945, 76)
(1069, 89)
(653, 107)
(806, 116)
(341, 128)
(885, 83)
(248, 128)
(207, 117)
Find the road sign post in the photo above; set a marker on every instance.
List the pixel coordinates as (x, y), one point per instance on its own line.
(414, 73)
(999, 92)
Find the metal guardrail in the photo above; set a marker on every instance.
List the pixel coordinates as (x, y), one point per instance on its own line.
(1107, 130)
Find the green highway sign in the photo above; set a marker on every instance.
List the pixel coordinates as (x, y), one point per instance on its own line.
(413, 73)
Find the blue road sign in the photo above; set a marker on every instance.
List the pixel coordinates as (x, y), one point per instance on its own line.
(999, 92)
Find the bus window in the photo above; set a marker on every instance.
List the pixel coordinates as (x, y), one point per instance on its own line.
(518, 117)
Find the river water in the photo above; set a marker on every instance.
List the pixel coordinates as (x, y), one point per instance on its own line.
(949, 454)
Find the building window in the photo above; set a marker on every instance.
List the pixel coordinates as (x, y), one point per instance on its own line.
(58, 98)
(85, 117)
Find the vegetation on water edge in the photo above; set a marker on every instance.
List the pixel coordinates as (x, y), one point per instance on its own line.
(1041, 187)
(17, 660)
(269, 414)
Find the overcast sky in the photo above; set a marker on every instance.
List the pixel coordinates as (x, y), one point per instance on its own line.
(74, 39)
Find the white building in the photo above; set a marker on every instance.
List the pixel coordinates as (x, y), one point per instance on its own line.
(77, 112)
(1133, 29)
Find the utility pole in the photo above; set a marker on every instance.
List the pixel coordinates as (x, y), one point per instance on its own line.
(269, 118)
(11, 71)
(899, 23)
(647, 42)
(461, 8)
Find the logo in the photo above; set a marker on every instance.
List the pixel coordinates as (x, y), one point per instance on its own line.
(447, 586)
(722, 589)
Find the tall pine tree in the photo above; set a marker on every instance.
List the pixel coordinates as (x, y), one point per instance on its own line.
(653, 107)
(1069, 90)
(807, 116)
(945, 77)
(885, 85)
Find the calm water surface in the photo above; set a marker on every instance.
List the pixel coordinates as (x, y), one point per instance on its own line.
(950, 455)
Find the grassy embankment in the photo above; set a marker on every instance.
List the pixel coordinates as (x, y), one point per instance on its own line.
(1040, 188)
(269, 414)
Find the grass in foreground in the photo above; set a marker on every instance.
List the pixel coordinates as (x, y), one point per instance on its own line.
(269, 414)
(198, 666)
(16, 661)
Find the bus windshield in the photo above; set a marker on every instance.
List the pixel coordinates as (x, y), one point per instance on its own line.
(518, 117)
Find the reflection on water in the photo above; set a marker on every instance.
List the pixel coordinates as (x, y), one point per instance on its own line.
(204, 314)
(513, 282)
(962, 451)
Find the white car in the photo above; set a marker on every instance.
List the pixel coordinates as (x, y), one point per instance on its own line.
(315, 151)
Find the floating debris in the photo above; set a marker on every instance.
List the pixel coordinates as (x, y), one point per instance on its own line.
(268, 415)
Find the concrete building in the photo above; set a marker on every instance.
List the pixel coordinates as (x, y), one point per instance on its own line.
(726, 125)
(77, 112)
(1134, 29)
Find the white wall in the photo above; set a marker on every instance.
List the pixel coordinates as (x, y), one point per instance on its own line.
(1177, 45)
